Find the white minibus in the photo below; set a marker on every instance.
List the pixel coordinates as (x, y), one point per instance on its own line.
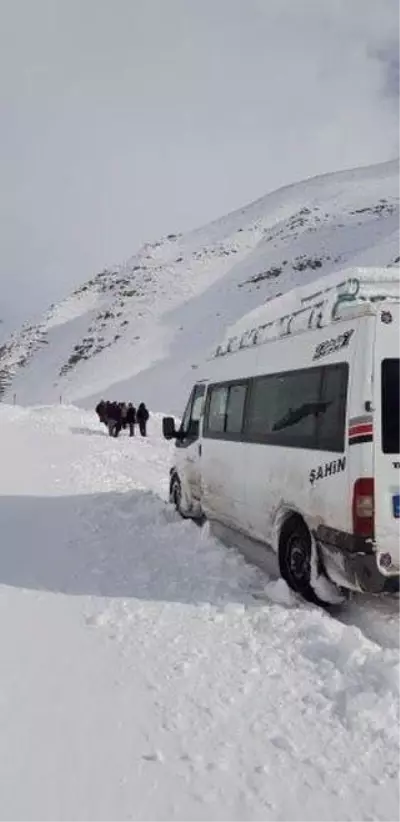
(291, 436)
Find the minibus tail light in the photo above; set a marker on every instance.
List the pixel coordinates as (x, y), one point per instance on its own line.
(363, 507)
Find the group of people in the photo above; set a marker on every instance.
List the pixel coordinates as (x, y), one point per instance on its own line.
(120, 415)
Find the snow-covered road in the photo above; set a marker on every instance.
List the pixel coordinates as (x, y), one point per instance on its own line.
(148, 672)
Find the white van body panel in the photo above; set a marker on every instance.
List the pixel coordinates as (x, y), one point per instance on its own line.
(224, 482)
(253, 486)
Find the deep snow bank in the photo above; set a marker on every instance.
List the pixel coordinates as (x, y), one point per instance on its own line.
(149, 673)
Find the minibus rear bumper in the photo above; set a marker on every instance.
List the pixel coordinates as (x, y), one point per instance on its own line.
(360, 561)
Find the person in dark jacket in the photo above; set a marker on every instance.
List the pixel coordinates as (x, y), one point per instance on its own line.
(101, 411)
(131, 418)
(142, 415)
(114, 419)
(124, 410)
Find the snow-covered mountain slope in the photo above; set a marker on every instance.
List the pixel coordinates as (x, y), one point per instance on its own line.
(140, 330)
(149, 673)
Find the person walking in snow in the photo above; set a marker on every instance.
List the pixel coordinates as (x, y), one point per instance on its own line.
(142, 416)
(107, 411)
(124, 410)
(131, 418)
(101, 412)
(114, 419)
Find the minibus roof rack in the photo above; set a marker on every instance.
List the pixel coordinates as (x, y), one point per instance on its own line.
(346, 294)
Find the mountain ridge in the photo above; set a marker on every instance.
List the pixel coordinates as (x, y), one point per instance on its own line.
(141, 329)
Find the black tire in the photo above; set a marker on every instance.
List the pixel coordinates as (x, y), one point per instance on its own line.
(175, 494)
(295, 548)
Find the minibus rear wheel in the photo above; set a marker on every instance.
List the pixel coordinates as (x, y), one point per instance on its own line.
(295, 546)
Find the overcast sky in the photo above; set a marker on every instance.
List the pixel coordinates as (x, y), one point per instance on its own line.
(125, 119)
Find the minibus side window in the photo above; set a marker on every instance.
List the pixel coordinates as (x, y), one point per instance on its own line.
(294, 405)
(299, 409)
(197, 408)
(217, 409)
(295, 409)
(190, 423)
(235, 408)
(256, 423)
(186, 415)
(283, 408)
(331, 421)
(225, 410)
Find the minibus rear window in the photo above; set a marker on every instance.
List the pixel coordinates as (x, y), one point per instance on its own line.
(390, 373)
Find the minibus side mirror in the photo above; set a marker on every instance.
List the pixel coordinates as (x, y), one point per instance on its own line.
(168, 428)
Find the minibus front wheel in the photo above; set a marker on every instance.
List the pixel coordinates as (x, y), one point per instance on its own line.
(175, 494)
(175, 497)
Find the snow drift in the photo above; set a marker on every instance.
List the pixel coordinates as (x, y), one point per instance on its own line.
(149, 673)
